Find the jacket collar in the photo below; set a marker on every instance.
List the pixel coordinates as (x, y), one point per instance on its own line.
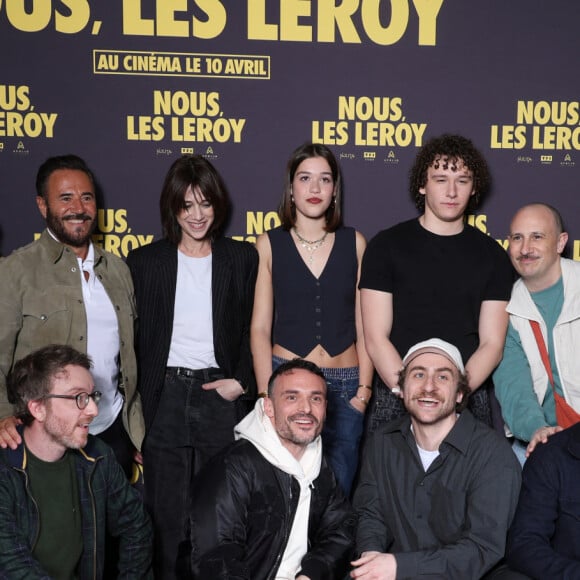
(17, 458)
(522, 304)
(56, 249)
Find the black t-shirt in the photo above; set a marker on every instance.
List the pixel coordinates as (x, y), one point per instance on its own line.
(438, 282)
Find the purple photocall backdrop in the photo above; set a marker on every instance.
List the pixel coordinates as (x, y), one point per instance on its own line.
(130, 85)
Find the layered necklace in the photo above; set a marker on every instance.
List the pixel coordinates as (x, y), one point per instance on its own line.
(310, 246)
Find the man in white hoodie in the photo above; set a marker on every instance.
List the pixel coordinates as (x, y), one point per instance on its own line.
(268, 506)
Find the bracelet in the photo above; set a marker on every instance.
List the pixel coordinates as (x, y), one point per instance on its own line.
(262, 395)
(365, 401)
(365, 387)
(244, 388)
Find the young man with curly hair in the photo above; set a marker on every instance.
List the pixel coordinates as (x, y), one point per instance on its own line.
(437, 276)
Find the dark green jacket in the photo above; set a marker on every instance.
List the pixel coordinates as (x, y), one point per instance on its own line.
(107, 502)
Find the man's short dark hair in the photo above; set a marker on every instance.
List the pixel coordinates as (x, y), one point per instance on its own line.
(291, 365)
(462, 387)
(32, 376)
(445, 151)
(197, 172)
(52, 164)
(287, 209)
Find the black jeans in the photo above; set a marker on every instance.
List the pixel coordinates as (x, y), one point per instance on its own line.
(117, 437)
(190, 426)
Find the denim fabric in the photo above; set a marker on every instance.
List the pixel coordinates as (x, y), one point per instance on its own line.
(384, 407)
(519, 448)
(190, 426)
(343, 426)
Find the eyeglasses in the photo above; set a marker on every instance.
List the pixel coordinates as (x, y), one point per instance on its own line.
(82, 399)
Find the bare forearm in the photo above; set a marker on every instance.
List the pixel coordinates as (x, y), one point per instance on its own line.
(262, 357)
(386, 360)
(482, 363)
(493, 324)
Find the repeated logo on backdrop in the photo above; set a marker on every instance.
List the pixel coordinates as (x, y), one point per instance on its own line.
(243, 82)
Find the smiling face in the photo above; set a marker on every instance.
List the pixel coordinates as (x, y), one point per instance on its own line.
(431, 389)
(297, 407)
(536, 244)
(69, 207)
(197, 217)
(447, 191)
(65, 426)
(312, 188)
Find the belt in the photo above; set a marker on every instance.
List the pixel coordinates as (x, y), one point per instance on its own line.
(203, 374)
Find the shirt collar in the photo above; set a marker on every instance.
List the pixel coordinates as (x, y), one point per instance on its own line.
(459, 436)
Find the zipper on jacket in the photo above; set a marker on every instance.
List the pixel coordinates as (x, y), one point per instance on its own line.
(27, 488)
(90, 481)
(287, 529)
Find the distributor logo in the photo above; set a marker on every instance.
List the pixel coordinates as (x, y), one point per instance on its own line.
(391, 158)
(209, 153)
(567, 162)
(187, 150)
(546, 159)
(21, 149)
(369, 155)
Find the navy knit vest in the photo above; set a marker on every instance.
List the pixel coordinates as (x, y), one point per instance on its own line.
(309, 311)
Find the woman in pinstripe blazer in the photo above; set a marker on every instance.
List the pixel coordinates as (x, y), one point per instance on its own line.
(194, 292)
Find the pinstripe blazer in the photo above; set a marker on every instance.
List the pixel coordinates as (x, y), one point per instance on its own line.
(154, 271)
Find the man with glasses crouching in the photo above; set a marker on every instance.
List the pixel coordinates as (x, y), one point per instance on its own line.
(61, 488)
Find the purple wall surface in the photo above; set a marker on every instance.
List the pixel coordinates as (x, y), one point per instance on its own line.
(132, 84)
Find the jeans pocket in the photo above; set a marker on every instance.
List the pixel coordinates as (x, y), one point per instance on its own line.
(354, 409)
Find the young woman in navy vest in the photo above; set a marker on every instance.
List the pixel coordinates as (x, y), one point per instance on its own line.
(307, 301)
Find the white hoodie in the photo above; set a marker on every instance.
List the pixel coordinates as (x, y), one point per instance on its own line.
(259, 430)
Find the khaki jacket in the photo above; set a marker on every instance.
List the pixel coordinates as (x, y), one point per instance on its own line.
(41, 303)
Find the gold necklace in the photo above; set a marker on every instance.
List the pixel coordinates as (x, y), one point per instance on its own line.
(309, 246)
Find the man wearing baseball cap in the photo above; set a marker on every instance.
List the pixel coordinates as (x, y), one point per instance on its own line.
(437, 489)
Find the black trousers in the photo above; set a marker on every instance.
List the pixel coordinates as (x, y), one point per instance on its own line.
(117, 437)
(190, 426)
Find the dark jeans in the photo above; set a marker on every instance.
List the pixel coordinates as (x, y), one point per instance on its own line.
(118, 439)
(190, 426)
(343, 427)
